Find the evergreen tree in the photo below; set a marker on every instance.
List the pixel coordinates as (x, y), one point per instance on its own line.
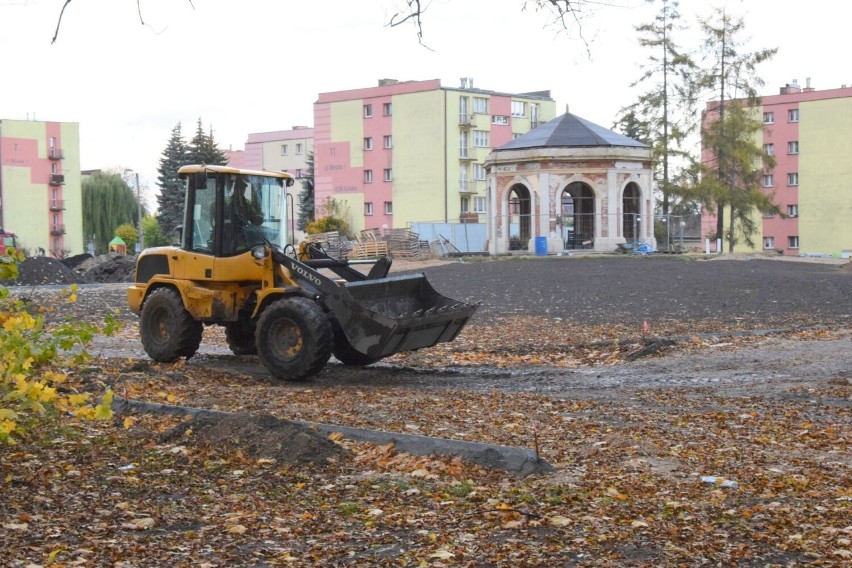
(665, 111)
(109, 203)
(204, 150)
(731, 74)
(170, 199)
(306, 196)
(739, 187)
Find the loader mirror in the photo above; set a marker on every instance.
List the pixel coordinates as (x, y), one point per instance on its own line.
(290, 182)
(199, 179)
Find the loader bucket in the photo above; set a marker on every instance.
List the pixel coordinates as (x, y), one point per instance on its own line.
(398, 313)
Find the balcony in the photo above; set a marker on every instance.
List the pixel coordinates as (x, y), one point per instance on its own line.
(57, 204)
(57, 230)
(56, 154)
(466, 120)
(466, 153)
(57, 179)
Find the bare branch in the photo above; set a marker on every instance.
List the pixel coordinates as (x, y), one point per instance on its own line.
(59, 22)
(138, 11)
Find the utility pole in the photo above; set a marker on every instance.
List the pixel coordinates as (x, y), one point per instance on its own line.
(139, 214)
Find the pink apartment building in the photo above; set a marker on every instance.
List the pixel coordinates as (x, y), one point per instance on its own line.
(414, 151)
(808, 132)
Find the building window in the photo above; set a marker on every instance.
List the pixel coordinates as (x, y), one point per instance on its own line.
(480, 138)
(368, 176)
(368, 111)
(793, 179)
(388, 142)
(793, 147)
(387, 109)
(534, 115)
(389, 174)
(519, 108)
(368, 143)
(465, 205)
(768, 181)
(793, 115)
(769, 149)
(768, 118)
(793, 242)
(516, 135)
(299, 149)
(388, 207)
(478, 172)
(768, 215)
(792, 211)
(368, 209)
(480, 105)
(479, 205)
(284, 150)
(500, 119)
(768, 242)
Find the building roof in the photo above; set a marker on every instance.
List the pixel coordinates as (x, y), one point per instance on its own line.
(570, 131)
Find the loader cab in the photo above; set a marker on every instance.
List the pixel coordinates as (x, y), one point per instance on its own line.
(229, 211)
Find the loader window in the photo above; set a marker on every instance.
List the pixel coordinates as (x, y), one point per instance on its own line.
(203, 212)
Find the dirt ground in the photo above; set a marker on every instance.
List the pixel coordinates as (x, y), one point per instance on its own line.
(637, 378)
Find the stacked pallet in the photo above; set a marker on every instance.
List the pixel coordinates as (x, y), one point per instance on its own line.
(368, 245)
(403, 243)
(332, 243)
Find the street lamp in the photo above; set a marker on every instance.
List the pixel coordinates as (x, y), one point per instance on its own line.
(138, 211)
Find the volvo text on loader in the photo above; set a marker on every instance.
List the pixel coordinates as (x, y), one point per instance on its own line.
(237, 267)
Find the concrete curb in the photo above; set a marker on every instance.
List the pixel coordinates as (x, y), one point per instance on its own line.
(517, 461)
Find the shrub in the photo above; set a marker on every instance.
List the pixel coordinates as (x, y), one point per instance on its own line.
(33, 386)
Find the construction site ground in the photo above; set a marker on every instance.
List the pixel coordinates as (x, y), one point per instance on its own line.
(695, 410)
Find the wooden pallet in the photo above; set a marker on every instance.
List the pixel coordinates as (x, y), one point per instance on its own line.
(363, 251)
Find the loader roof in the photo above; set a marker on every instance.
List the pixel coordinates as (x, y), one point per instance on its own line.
(193, 168)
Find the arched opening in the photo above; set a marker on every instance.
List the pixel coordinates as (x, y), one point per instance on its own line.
(630, 213)
(520, 218)
(577, 217)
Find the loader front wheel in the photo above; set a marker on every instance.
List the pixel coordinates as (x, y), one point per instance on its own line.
(294, 338)
(240, 338)
(167, 330)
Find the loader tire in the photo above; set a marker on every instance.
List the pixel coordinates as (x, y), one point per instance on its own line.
(345, 353)
(240, 337)
(294, 338)
(167, 330)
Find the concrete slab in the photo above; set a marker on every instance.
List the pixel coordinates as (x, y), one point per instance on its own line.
(520, 462)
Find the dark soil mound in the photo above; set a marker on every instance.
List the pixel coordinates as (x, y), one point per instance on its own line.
(110, 267)
(258, 437)
(40, 270)
(74, 261)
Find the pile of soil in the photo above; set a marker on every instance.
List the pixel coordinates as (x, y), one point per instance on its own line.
(261, 436)
(40, 270)
(80, 269)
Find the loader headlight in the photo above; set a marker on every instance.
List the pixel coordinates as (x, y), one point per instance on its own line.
(259, 252)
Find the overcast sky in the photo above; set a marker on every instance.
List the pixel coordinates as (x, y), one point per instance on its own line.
(257, 65)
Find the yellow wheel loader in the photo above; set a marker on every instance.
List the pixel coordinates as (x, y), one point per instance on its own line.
(237, 267)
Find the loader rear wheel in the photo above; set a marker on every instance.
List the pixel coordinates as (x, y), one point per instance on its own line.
(294, 338)
(345, 353)
(240, 337)
(167, 330)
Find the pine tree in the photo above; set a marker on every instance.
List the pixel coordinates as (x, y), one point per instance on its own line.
(109, 203)
(171, 197)
(665, 111)
(731, 74)
(741, 163)
(306, 196)
(204, 150)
